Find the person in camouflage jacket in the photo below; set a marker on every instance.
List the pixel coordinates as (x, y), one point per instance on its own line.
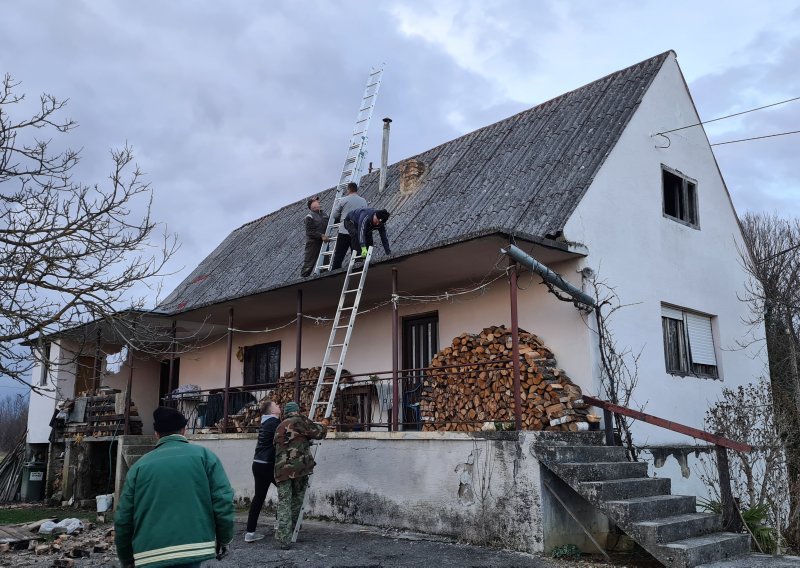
(293, 464)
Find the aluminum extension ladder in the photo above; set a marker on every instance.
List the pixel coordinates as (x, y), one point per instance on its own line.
(353, 162)
(338, 342)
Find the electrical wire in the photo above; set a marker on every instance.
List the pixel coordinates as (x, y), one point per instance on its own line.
(756, 138)
(777, 254)
(727, 116)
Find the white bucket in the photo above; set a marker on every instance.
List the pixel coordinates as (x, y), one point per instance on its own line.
(104, 502)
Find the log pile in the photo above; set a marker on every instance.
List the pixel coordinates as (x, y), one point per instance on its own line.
(249, 417)
(104, 416)
(484, 394)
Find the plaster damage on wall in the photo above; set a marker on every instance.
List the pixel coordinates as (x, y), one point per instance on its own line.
(680, 453)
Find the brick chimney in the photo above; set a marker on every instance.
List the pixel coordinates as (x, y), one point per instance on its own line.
(411, 173)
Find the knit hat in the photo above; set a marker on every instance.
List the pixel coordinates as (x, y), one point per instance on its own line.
(291, 407)
(168, 420)
(382, 214)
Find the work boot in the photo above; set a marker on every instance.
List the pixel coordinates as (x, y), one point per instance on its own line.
(252, 536)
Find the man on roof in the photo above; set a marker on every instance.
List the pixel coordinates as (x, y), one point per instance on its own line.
(361, 223)
(316, 225)
(349, 202)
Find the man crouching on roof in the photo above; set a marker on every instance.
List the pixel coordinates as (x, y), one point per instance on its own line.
(176, 508)
(293, 464)
(360, 224)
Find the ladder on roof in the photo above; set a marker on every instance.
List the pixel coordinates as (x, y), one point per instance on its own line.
(353, 162)
(338, 342)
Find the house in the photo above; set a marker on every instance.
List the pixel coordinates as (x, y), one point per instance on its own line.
(583, 181)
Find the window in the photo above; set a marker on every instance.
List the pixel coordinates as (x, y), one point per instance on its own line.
(680, 197)
(44, 353)
(688, 343)
(262, 363)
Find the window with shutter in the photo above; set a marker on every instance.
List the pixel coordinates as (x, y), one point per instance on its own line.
(688, 343)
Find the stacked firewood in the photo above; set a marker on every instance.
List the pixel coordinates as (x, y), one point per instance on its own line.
(249, 417)
(464, 398)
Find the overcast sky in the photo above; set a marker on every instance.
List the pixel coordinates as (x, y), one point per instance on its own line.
(237, 108)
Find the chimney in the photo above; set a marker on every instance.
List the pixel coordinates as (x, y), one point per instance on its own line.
(411, 173)
(384, 155)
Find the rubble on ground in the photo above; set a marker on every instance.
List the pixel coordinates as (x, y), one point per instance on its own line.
(93, 543)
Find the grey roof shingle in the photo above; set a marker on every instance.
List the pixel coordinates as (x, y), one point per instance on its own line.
(523, 175)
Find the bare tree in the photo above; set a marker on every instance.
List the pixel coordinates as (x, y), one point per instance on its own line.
(70, 253)
(619, 365)
(772, 258)
(758, 478)
(13, 420)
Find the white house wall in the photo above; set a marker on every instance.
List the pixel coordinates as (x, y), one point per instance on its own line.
(144, 390)
(651, 259)
(60, 385)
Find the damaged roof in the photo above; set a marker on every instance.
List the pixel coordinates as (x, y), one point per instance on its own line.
(523, 175)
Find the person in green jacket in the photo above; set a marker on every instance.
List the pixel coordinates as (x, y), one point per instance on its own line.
(176, 508)
(293, 464)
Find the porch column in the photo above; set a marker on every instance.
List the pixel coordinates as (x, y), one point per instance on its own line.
(171, 380)
(127, 429)
(298, 348)
(227, 371)
(395, 363)
(515, 345)
(97, 366)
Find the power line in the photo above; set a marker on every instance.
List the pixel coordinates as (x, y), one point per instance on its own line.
(756, 138)
(728, 116)
(777, 254)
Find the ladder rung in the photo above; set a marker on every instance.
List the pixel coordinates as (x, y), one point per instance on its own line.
(327, 252)
(341, 327)
(337, 345)
(350, 291)
(372, 84)
(356, 273)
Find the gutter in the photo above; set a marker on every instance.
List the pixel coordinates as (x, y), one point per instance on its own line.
(552, 277)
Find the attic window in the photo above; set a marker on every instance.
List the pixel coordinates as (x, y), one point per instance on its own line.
(680, 197)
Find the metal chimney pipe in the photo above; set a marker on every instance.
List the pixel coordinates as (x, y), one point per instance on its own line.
(384, 155)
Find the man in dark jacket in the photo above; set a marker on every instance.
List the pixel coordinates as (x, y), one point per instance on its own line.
(263, 466)
(176, 508)
(360, 224)
(316, 225)
(293, 464)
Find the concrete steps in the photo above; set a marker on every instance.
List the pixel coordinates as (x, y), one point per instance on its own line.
(665, 525)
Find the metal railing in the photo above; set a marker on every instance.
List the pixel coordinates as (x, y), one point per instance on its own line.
(364, 401)
(731, 519)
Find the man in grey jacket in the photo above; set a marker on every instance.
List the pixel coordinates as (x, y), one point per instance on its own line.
(348, 203)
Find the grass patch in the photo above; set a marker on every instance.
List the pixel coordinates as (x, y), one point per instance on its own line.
(30, 514)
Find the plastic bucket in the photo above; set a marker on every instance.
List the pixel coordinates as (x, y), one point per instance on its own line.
(104, 502)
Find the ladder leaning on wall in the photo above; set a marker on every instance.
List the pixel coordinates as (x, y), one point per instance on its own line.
(336, 350)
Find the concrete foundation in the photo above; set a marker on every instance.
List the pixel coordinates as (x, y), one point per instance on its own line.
(484, 488)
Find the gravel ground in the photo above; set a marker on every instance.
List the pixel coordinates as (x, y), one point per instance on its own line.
(332, 545)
